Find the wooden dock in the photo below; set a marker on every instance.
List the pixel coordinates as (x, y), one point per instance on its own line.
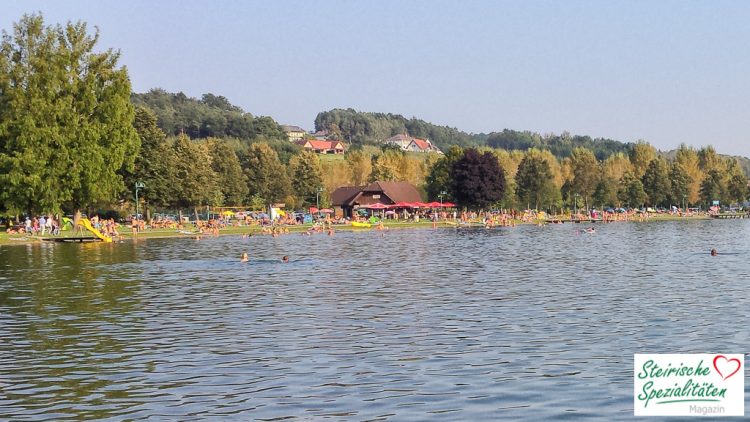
(731, 215)
(72, 239)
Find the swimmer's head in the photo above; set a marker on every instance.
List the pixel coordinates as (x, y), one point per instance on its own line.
(713, 252)
(285, 258)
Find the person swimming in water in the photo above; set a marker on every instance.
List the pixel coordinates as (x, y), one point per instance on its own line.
(713, 252)
(285, 259)
(244, 257)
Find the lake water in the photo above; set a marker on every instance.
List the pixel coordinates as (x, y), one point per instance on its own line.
(522, 323)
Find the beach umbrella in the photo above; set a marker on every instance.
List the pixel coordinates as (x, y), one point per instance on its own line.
(326, 211)
(313, 210)
(433, 205)
(377, 206)
(227, 213)
(419, 205)
(449, 204)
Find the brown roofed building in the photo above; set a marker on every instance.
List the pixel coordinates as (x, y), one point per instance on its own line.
(348, 198)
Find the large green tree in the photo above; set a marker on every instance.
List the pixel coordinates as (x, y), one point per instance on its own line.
(713, 187)
(631, 191)
(688, 158)
(535, 185)
(656, 181)
(585, 170)
(387, 166)
(478, 180)
(679, 182)
(359, 165)
(196, 182)
(641, 155)
(154, 165)
(306, 176)
(232, 182)
(439, 177)
(605, 193)
(267, 178)
(736, 182)
(66, 121)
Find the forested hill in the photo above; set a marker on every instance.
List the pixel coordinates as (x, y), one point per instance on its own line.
(559, 145)
(210, 116)
(373, 128)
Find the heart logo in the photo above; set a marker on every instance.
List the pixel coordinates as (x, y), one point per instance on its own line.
(728, 366)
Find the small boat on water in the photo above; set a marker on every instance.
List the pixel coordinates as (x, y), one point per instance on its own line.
(361, 225)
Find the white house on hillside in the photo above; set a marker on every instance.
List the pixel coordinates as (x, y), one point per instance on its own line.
(407, 143)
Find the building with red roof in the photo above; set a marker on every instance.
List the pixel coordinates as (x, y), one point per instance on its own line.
(408, 143)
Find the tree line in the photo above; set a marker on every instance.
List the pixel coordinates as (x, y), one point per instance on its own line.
(537, 179)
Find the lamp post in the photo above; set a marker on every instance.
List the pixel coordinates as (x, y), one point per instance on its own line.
(317, 198)
(441, 195)
(138, 185)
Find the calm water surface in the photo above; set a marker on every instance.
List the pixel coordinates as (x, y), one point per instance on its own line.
(524, 323)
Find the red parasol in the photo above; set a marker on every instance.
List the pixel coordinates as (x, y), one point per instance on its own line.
(449, 204)
(434, 205)
(376, 206)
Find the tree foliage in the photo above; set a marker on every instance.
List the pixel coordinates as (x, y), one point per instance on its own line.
(232, 182)
(478, 180)
(559, 145)
(196, 182)
(585, 173)
(656, 182)
(640, 157)
(373, 128)
(154, 165)
(535, 185)
(713, 187)
(439, 177)
(631, 191)
(65, 115)
(306, 176)
(360, 166)
(210, 116)
(266, 176)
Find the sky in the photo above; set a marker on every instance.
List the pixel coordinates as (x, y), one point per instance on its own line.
(666, 72)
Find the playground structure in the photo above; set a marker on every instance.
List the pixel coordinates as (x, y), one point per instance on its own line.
(85, 223)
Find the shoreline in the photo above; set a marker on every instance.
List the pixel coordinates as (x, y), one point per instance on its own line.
(6, 240)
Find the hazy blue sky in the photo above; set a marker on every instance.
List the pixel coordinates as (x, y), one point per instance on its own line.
(666, 71)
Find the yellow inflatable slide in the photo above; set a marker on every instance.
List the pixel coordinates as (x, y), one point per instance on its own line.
(87, 224)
